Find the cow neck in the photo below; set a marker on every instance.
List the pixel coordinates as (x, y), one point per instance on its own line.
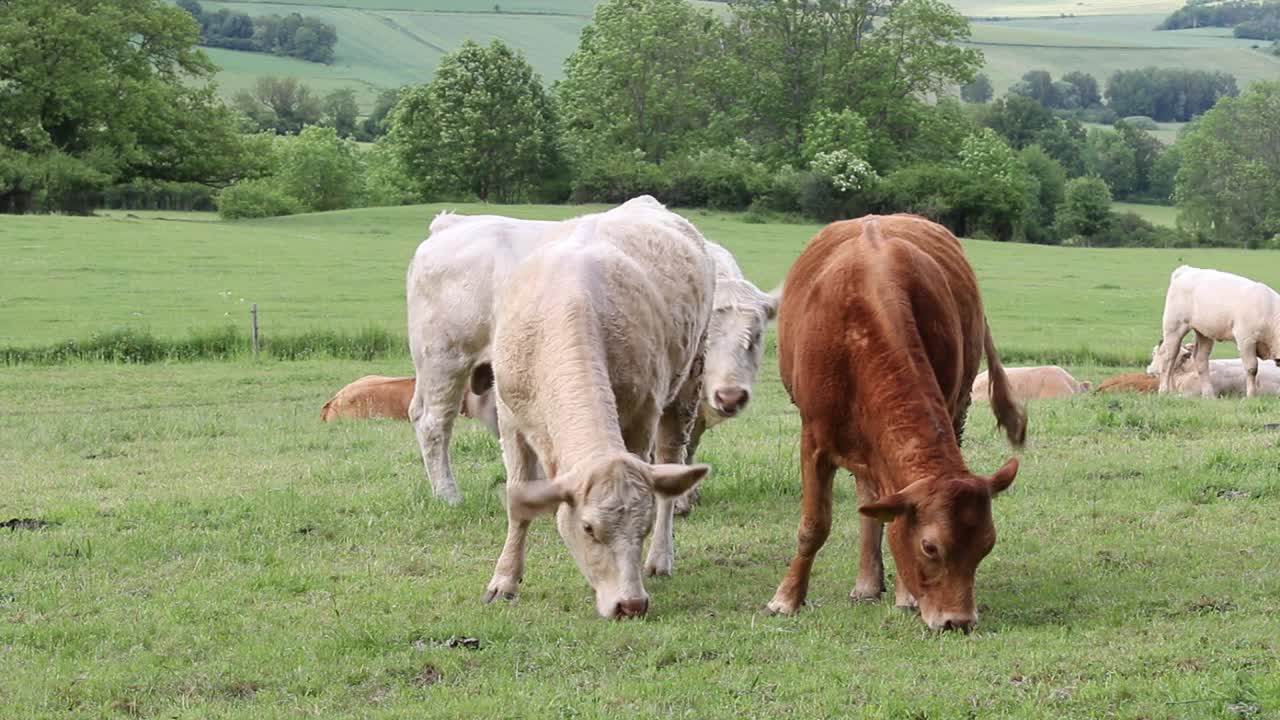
(912, 431)
(583, 416)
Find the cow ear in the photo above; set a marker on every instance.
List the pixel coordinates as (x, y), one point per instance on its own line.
(887, 508)
(772, 301)
(528, 500)
(1085, 386)
(1001, 479)
(674, 480)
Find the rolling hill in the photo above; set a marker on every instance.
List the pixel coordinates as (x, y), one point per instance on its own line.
(386, 43)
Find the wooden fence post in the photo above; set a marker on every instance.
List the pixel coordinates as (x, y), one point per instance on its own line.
(253, 314)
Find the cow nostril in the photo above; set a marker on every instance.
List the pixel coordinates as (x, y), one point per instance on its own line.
(963, 625)
(633, 607)
(732, 399)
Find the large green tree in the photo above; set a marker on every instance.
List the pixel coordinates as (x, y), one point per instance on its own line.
(874, 56)
(483, 127)
(1228, 183)
(99, 91)
(648, 75)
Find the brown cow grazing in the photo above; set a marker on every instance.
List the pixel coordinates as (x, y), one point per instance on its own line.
(880, 334)
(1138, 382)
(382, 396)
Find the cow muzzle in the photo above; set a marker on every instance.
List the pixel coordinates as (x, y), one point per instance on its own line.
(731, 400)
(632, 607)
(953, 621)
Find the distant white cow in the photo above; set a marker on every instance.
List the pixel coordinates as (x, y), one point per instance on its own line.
(1030, 383)
(598, 340)
(452, 282)
(1218, 306)
(1227, 377)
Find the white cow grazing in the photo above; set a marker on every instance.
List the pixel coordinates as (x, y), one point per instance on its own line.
(1030, 383)
(452, 282)
(453, 278)
(1228, 377)
(597, 343)
(1218, 306)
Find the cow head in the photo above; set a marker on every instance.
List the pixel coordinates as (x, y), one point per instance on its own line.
(735, 346)
(939, 530)
(605, 511)
(1185, 353)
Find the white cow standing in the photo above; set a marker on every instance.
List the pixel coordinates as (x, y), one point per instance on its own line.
(452, 282)
(1218, 306)
(598, 340)
(1228, 376)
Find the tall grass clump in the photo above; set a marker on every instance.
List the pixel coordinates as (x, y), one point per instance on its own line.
(140, 346)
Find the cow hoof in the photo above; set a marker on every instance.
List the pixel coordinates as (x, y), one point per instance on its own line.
(860, 593)
(779, 606)
(504, 588)
(450, 496)
(658, 568)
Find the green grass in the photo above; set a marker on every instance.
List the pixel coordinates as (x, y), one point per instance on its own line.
(218, 552)
(66, 278)
(1053, 8)
(1155, 214)
(1166, 132)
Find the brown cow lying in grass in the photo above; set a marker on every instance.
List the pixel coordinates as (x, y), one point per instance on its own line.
(1138, 382)
(382, 396)
(1033, 383)
(880, 334)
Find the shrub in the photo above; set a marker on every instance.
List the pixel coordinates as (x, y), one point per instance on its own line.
(616, 179)
(1141, 122)
(1129, 229)
(255, 199)
(718, 179)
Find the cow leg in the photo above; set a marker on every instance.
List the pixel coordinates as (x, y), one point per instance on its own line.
(817, 472)
(673, 441)
(1169, 348)
(685, 503)
(437, 396)
(1249, 358)
(521, 463)
(870, 582)
(1204, 348)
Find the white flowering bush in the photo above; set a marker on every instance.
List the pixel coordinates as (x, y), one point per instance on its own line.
(846, 171)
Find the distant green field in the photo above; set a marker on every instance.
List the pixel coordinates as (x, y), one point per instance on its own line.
(1155, 214)
(1034, 8)
(1102, 45)
(345, 270)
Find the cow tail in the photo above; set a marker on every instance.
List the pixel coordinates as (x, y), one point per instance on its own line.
(1009, 414)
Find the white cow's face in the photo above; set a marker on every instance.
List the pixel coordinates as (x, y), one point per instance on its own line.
(605, 511)
(735, 346)
(1184, 356)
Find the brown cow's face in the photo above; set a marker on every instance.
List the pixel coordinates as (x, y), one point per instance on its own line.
(940, 530)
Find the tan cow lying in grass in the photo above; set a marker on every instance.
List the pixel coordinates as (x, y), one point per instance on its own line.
(1033, 383)
(1217, 306)
(452, 282)
(1226, 377)
(598, 342)
(382, 396)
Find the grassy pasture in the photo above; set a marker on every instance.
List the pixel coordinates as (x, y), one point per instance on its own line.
(66, 278)
(217, 552)
(1155, 214)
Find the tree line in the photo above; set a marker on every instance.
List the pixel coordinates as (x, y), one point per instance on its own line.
(780, 108)
(291, 35)
(1251, 19)
(1161, 94)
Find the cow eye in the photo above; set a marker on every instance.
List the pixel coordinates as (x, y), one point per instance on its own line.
(590, 531)
(929, 549)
